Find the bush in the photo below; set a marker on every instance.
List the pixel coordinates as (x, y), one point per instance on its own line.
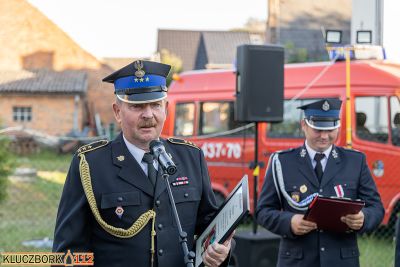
(7, 164)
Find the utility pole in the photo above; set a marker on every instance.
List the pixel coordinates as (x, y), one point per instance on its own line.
(272, 34)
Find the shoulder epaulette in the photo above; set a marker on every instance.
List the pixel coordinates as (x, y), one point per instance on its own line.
(284, 151)
(92, 146)
(181, 142)
(351, 150)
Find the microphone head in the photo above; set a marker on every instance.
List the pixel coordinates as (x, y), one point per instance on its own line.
(171, 170)
(158, 150)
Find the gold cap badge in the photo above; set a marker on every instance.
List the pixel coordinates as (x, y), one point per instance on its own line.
(139, 66)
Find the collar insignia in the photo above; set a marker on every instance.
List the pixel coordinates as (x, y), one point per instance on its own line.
(303, 153)
(121, 158)
(334, 154)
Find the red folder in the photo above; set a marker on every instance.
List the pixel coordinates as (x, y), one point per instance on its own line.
(327, 211)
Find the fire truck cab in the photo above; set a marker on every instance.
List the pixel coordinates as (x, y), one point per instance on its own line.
(201, 110)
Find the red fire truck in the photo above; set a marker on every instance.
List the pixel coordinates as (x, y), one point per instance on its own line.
(201, 110)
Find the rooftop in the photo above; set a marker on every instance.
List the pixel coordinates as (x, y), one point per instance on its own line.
(43, 81)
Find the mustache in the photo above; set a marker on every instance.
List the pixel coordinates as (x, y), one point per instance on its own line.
(147, 124)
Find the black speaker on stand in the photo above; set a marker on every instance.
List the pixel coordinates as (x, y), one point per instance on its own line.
(259, 98)
(259, 83)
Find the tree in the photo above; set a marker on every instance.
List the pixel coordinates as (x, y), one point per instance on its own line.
(295, 55)
(253, 25)
(7, 164)
(171, 59)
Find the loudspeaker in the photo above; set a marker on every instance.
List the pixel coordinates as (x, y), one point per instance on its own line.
(255, 250)
(259, 83)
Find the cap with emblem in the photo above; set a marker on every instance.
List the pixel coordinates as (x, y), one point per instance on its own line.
(140, 82)
(323, 114)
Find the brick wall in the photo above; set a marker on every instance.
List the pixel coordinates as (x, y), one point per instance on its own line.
(29, 33)
(50, 114)
(31, 41)
(100, 95)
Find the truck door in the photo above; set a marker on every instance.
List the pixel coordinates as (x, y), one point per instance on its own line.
(376, 134)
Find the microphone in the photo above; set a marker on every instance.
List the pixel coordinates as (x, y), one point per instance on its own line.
(158, 150)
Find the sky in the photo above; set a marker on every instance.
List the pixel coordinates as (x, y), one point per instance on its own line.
(391, 22)
(128, 28)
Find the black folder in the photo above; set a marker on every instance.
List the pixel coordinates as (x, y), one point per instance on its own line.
(327, 211)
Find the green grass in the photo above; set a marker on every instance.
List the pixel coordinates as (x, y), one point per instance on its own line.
(28, 213)
(376, 251)
(30, 209)
(46, 160)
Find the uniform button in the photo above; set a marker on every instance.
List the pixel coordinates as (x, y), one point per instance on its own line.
(322, 249)
(321, 190)
(160, 226)
(321, 231)
(287, 253)
(120, 199)
(160, 252)
(158, 202)
(186, 195)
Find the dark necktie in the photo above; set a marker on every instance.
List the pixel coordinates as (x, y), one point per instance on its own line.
(318, 168)
(151, 171)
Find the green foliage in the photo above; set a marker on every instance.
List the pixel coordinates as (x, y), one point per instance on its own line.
(7, 165)
(295, 55)
(171, 59)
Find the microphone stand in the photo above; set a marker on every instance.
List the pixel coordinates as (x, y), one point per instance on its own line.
(188, 255)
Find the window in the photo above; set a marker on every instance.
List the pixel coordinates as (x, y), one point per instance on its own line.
(372, 118)
(290, 126)
(22, 114)
(184, 119)
(395, 120)
(218, 117)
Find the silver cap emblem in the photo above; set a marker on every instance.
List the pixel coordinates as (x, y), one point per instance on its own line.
(325, 106)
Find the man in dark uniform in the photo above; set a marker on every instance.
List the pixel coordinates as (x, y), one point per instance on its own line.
(115, 203)
(397, 239)
(318, 167)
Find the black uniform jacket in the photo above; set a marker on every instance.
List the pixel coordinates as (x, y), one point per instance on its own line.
(345, 167)
(397, 253)
(119, 181)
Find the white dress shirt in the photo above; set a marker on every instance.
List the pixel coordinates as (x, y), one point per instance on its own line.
(312, 152)
(138, 153)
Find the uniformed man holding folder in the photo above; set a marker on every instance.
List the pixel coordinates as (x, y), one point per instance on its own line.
(296, 176)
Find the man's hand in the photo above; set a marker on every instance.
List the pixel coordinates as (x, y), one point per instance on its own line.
(217, 253)
(354, 221)
(300, 226)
